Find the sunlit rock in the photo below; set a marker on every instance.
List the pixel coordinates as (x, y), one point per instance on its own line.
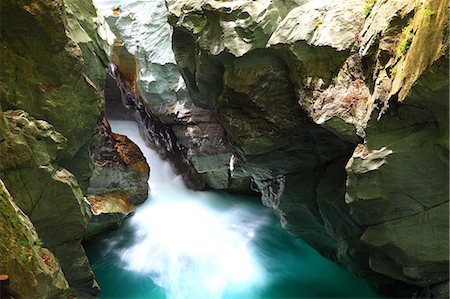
(238, 26)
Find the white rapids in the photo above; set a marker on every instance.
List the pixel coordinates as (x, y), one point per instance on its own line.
(184, 242)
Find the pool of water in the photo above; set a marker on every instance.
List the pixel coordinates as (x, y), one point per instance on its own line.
(186, 244)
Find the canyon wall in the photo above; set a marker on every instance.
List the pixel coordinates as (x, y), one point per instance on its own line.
(336, 112)
(54, 56)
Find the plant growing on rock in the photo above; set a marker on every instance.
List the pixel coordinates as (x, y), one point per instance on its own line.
(23, 256)
(369, 6)
(430, 12)
(317, 24)
(334, 79)
(405, 42)
(39, 242)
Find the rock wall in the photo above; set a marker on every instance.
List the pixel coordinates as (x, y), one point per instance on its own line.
(33, 270)
(46, 192)
(336, 111)
(54, 56)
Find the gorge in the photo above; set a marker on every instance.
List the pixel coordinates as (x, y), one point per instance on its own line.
(332, 114)
(191, 244)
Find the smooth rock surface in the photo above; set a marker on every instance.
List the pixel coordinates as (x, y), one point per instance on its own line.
(54, 55)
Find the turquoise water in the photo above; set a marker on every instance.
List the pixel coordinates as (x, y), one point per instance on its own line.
(187, 244)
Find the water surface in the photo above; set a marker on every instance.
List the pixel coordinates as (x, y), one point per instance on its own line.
(187, 244)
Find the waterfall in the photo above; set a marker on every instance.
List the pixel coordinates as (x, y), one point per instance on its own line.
(186, 242)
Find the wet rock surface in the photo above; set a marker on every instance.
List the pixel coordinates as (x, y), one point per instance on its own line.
(119, 180)
(48, 194)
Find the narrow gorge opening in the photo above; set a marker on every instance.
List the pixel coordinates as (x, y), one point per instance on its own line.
(224, 149)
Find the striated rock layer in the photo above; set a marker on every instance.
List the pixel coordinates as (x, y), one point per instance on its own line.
(335, 111)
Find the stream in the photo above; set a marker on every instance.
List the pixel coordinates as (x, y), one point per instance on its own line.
(188, 244)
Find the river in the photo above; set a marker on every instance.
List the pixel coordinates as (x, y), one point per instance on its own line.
(188, 244)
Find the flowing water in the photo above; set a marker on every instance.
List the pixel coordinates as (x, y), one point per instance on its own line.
(187, 244)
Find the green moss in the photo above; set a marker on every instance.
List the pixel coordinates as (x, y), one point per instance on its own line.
(317, 24)
(39, 242)
(23, 256)
(25, 243)
(334, 79)
(369, 6)
(14, 249)
(429, 12)
(392, 71)
(406, 40)
(9, 215)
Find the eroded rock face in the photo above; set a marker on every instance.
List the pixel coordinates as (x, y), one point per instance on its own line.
(336, 111)
(119, 180)
(42, 84)
(47, 193)
(33, 270)
(54, 55)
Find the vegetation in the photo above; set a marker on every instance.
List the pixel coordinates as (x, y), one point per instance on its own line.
(23, 256)
(317, 24)
(12, 218)
(405, 42)
(429, 12)
(25, 243)
(392, 71)
(334, 79)
(14, 243)
(368, 7)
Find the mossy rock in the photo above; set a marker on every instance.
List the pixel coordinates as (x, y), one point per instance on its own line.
(33, 270)
(47, 193)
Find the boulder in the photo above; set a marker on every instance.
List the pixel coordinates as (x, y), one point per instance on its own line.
(119, 180)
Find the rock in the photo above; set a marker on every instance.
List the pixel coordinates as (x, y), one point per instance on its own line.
(42, 84)
(329, 23)
(412, 245)
(33, 271)
(145, 33)
(337, 84)
(119, 180)
(119, 166)
(238, 28)
(336, 111)
(160, 136)
(108, 212)
(47, 193)
(54, 55)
